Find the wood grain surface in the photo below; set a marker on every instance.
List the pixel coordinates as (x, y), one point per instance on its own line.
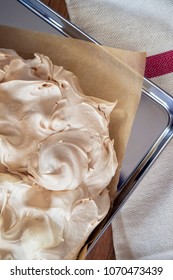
(57, 5)
(104, 249)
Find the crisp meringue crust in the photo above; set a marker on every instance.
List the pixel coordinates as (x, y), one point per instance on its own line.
(56, 140)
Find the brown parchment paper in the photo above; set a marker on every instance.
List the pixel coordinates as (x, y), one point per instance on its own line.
(103, 72)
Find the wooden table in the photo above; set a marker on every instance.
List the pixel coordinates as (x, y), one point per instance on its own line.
(104, 249)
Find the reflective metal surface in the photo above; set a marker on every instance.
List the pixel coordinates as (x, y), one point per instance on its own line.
(55, 20)
(12, 13)
(153, 125)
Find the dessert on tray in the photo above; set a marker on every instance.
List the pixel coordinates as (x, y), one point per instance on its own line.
(56, 160)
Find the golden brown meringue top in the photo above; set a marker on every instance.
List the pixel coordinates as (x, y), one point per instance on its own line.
(56, 140)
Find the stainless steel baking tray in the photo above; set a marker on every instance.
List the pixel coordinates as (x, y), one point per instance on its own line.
(153, 125)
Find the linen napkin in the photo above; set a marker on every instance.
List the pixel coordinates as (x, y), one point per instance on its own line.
(143, 228)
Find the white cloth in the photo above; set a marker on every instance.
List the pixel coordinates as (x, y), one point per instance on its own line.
(143, 228)
(134, 25)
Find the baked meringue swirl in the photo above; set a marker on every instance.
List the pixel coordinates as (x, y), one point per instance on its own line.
(55, 144)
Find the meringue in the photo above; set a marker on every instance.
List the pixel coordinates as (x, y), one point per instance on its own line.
(56, 157)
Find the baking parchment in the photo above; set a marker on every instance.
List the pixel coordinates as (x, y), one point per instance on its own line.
(103, 72)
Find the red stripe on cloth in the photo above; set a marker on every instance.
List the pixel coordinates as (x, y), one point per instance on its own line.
(159, 64)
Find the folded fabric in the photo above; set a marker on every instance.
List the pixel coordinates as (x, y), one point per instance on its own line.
(133, 25)
(143, 228)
